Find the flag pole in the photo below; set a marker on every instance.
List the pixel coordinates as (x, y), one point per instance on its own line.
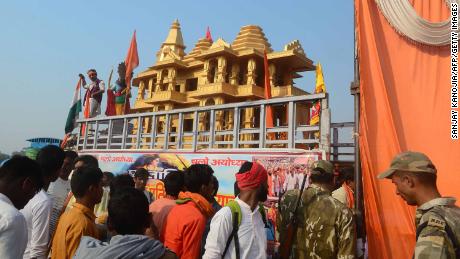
(355, 91)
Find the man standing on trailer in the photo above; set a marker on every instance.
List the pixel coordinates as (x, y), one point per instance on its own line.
(94, 91)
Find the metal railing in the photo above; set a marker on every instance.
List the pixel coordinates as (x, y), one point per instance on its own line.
(342, 145)
(231, 126)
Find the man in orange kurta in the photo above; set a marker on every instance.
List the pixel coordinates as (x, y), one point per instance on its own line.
(160, 208)
(86, 184)
(185, 224)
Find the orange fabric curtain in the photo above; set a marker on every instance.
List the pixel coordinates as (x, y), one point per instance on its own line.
(405, 105)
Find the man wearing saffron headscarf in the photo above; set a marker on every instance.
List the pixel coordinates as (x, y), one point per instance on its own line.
(186, 221)
(252, 240)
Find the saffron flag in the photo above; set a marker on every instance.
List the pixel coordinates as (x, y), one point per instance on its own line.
(268, 94)
(131, 61)
(208, 34)
(319, 88)
(75, 109)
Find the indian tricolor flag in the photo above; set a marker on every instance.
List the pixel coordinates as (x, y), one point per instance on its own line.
(75, 109)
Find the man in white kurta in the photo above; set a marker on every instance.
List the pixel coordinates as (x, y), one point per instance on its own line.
(252, 184)
(251, 233)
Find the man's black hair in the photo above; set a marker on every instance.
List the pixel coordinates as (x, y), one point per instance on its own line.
(71, 154)
(120, 182)
(83, 178)
(196, 176)
(50, 158)
(19, 167)
(141, 173)
(91, 70)
(174, 183)
(346, 174)
(108, 175)
(245, 167)
(236, 189)
(216, 185)
(87, 160)
(128, 212)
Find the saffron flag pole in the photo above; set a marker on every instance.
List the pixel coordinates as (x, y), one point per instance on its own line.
(131, 61)
(86, 111)
(268, 95)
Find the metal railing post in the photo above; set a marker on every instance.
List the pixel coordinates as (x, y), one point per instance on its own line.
(85, 140)
(96, 132)
(78, 136)
(195, 130)
(262, 126)
(212, 128)
(291, 125)
(123, 136)
(139, 132)
(166, 140)
(335, 141)
(154, 132)
(180, 130)
(109, 134)
(325, 127)
(236, 127)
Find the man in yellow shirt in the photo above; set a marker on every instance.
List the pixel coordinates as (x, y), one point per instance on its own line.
(86, 185)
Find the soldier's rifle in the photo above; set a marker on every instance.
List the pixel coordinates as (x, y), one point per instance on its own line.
(286, 246)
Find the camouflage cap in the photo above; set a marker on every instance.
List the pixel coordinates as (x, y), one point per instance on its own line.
(409, 161)
(326, 166)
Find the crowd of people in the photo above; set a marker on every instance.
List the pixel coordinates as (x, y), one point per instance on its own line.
(62, 205)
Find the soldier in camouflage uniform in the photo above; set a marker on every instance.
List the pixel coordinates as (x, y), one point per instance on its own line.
(437, 219)
(326, 226)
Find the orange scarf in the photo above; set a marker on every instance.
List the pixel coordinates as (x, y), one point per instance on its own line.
(350, 196)
(203, 205)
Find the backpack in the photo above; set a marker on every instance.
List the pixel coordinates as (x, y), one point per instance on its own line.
(236, 222)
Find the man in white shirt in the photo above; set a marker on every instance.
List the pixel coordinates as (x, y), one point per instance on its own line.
(20, 179)
(290, 181)
(252, 240)
(59, 189)
(37, 212)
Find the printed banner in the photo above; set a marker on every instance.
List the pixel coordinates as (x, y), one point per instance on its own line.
(285, 170)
